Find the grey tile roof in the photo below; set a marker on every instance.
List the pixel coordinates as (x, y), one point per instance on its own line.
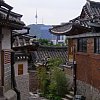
(90, 14)
(7, 17)
(52, 52)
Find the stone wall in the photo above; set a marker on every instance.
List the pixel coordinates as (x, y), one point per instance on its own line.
(10, 95)
(88, 91)
(23, 86)
(33, 81)
(69, 75)
(7, 77)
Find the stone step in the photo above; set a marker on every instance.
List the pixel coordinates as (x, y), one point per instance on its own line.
(64, 99)
(71, 93)
(2, 98)
(69, 97)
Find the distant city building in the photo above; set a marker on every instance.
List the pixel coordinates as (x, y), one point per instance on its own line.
(58, 39)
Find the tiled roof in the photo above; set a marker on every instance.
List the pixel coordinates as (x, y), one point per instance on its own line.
(52, 52)
(60, 29)
(22, 41)
(12, 17)
(90, 14)
(9, 18)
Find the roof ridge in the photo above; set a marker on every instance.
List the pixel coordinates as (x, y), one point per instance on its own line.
(90, 1)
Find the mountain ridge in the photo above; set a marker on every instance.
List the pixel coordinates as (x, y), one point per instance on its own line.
(40, 30)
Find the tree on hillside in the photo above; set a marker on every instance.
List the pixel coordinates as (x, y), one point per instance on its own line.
(45, 42)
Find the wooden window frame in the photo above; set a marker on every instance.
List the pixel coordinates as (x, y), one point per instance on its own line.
(20, 69)
(97, 45)
(82, 45)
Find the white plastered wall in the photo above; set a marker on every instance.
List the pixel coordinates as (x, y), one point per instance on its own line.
(6, 39)
(5, 42)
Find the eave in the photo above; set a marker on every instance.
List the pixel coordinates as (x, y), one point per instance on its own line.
(61, 29)
(11, 24)
(11, 13)
(70, 29)
(84, 35)
(8, 18)
(27, 47)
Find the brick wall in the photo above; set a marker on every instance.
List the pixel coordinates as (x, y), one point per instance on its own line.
(88, 68)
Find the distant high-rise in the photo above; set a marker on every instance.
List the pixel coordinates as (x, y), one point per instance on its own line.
(36, 16)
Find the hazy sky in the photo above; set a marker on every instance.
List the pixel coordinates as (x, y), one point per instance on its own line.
(49, 11)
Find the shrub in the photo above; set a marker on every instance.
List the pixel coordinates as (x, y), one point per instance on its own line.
(58, 85)
(53, 82)
(43, 79)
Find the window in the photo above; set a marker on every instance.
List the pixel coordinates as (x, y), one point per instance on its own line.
(97, 45)
(20, 69)
(82, 45)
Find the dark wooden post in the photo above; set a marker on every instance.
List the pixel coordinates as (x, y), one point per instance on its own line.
(74, 71)
(2, 68)
(74, 76)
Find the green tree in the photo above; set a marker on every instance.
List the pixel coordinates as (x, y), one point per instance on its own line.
(43, 79)
(53, 82)
(43, 41)
(58, 85)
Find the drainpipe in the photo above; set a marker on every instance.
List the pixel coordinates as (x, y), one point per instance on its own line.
(13, 81)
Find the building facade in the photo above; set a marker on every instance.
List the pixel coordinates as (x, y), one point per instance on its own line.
(21, 74)
(8, 21)
(23, 44)
(83, 35)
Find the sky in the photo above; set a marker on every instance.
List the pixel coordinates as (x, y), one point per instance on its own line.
(49, 12)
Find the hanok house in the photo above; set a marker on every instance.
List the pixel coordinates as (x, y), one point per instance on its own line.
(8, 21)
(83, 35)
(22, 46)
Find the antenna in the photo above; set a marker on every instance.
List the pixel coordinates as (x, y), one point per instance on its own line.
(36, 16)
